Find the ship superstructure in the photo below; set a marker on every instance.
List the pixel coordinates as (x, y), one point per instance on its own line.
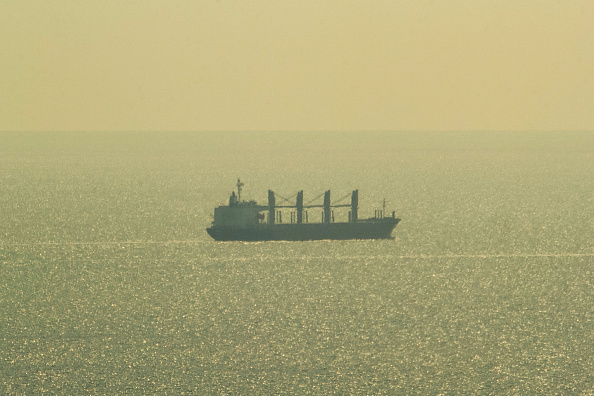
(248, 221)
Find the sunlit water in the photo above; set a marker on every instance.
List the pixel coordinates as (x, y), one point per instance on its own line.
(110, 284)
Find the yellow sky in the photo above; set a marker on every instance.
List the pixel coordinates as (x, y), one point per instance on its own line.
(297, 65)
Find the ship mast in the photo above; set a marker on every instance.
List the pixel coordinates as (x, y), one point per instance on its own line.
(239, 185)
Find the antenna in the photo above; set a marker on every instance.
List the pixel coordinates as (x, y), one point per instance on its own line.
(239, 185)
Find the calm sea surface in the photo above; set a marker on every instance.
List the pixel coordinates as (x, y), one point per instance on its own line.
(110, 284)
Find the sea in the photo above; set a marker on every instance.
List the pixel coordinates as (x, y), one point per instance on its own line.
(109, 283)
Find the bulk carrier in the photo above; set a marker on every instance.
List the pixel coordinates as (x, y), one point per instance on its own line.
(248, 221)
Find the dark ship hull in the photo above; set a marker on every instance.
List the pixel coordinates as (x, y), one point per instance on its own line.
(380, 228)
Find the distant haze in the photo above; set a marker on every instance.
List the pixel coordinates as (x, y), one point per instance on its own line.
(297, 65)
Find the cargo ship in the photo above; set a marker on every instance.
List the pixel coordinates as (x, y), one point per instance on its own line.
(248, 221)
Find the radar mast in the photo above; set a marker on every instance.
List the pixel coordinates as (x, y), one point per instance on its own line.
(239, 185)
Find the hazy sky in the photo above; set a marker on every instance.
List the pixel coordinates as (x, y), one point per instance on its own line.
(297, 65)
